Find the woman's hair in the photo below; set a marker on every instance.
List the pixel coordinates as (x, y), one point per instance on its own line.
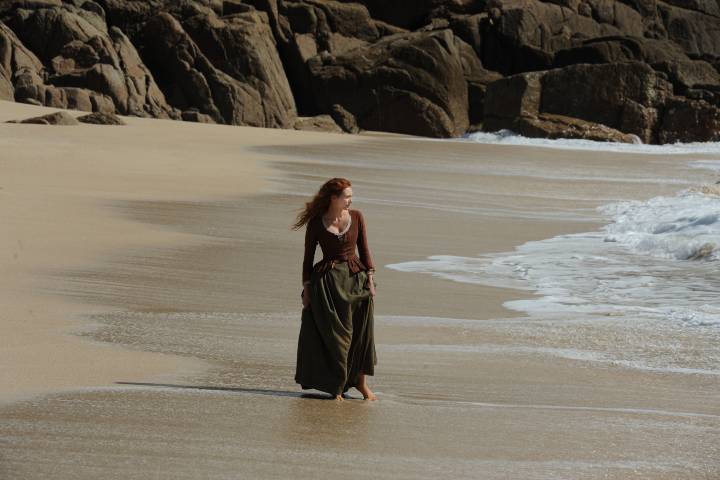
(321, 201)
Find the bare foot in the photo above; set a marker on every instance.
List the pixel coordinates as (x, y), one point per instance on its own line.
(367, 393)
(339, 398)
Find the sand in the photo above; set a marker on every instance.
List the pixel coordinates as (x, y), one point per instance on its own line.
(150, 295)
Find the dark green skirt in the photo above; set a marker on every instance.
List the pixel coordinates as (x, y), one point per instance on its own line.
(336, 341)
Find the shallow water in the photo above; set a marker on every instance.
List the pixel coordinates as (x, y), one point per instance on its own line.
(641, 292)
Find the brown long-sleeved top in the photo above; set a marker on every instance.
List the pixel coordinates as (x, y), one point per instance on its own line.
(337, 247)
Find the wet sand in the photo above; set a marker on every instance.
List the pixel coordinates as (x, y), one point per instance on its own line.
(152, 288)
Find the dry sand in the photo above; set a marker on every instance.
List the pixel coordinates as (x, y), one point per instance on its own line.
(150, 309)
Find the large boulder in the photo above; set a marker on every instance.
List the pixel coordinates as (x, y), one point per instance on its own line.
(696, 32)
(624, 96)
(306, 28)
(57, 118)
(242, 46)
(686, 120)
(477, 78)
(15, 59)
(99, 118)
(46, 31)
(546, 125)
(690, 74)
(87, 64)
(318, 123)
(190, 80)
(627, 97)
(344, 119)
(616, 49)
(416, 13)
(144, 97)
(407, 83)
(523, 35)
(130, 16)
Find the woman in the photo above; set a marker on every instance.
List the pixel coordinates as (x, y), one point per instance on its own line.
(336, 346)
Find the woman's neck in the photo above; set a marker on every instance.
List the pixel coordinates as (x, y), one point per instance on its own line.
(331, 215)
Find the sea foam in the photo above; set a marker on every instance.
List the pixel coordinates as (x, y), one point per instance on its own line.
(652, 269)
(508, 137)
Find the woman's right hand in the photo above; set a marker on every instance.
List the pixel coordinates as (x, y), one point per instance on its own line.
(306, 296)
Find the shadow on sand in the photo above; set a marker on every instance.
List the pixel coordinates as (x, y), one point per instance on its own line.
(256, 391)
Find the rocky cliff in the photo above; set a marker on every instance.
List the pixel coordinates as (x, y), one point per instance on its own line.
(627, 70)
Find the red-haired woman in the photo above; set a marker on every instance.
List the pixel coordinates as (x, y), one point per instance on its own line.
(336, 346)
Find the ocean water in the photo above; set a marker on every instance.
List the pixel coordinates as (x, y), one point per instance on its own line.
(507, 137)
(641, 292)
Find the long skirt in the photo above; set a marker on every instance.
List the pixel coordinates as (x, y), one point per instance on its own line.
(336, 341)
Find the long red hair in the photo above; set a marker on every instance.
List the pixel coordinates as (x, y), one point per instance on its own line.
(321, 201)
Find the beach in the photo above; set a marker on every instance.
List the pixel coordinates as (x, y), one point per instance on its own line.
(151, 305)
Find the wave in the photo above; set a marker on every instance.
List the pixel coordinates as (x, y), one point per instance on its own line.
(652, 267)
(507, 137)
(685, 227)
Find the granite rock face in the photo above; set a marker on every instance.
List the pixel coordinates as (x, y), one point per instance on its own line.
(242, 46)
(247, 87)
(627, 97)
(407, 83)
(595, 69)
(84, 65)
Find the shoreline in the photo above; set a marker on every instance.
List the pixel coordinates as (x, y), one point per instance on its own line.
(178, 261)
(155, 236)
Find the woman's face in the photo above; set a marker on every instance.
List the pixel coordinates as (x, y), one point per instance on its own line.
(344, 200)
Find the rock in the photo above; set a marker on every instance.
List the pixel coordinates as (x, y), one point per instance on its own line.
(83, 55)
(689, 74)
(130, 16)
(416, 13)
(620, 49)
(243, 47)
(105, 78)
(344, 119)
(73, 56)
(407, 83)
(7, 92)
(319, 123)
(15, 61)
(30, 101)
(526, 33)
(624, 96)
(46, 31)
(695, 32)
(197, 117)
(559, 126)
(468, 28)
(512, 97)
(28, 85)
(9, 6)
(93, 7)
(477, 89)
(99, 118)
(309, 27)
(190, 80)
(57, 118)
(686, 120)
(231, 7)
(144, 97)
(384, 29)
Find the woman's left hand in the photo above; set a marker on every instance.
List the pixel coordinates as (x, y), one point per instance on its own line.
(371, 284)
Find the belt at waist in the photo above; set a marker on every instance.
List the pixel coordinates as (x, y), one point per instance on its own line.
(327, 263)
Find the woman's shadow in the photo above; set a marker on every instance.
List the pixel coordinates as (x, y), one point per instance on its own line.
(254, 391)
